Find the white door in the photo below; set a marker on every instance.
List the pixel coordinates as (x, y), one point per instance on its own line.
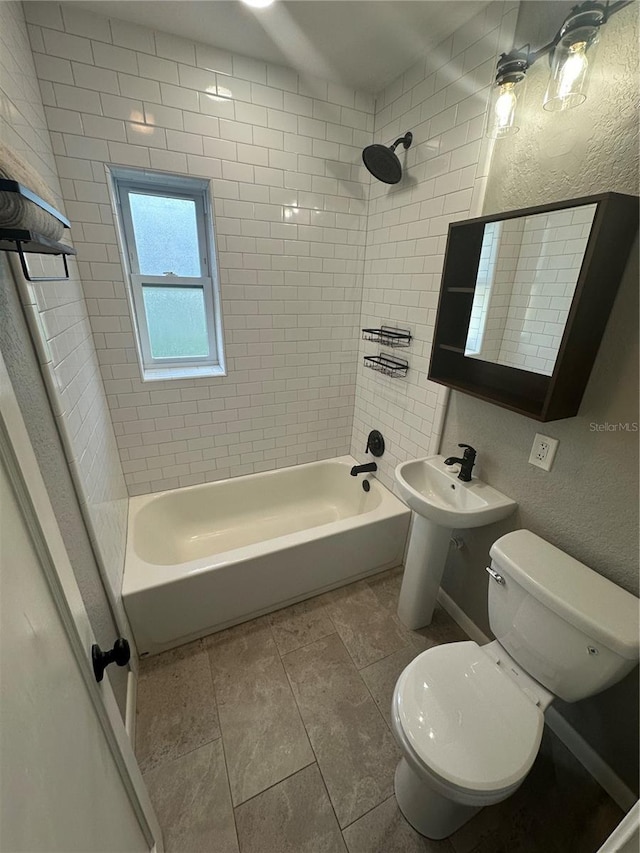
(68, 777)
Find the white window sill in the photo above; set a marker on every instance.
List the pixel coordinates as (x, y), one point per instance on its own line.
(157, 374)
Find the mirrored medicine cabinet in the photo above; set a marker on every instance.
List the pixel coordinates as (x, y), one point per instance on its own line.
(525, 298)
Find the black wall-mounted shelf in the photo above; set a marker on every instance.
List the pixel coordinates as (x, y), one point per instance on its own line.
(388, 336)
(25, 242)
(390, 365)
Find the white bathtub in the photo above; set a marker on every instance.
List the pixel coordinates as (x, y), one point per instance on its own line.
(205, 557)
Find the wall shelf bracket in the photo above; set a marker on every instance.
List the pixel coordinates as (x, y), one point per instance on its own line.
(26, 242)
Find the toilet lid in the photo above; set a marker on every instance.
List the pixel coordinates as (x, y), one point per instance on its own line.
(466, 720)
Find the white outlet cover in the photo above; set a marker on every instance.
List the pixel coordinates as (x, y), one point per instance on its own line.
(543, 451)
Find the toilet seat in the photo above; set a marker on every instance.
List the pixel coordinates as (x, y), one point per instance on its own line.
(466, 723)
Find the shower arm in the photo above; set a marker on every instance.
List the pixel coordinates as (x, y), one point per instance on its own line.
(406, 141)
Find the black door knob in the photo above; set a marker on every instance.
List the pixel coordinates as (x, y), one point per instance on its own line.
(120, 654)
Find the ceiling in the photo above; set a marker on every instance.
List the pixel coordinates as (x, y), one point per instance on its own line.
(363, 44)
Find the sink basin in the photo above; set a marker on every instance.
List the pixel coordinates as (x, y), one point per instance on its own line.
(441, 502)
(436, 493)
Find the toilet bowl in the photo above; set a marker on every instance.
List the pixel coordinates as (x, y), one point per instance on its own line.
(469, 719)
(469, 736)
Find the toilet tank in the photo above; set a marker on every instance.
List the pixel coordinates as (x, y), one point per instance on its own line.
(570, 628)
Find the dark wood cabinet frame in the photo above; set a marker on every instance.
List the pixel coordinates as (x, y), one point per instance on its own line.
(543, 398)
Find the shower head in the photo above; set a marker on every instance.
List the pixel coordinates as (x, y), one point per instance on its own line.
(383, 162)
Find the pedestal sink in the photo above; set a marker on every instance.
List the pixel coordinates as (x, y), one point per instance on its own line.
(440, 503)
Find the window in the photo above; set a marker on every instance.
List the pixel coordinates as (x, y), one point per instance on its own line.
(166, 230)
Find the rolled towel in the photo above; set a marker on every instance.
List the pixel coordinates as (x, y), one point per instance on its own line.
(18, 212)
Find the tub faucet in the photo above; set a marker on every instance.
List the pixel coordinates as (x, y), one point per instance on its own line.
(363, 469)
(466, 463)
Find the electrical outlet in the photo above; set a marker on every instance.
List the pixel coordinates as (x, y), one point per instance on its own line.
(543, 451)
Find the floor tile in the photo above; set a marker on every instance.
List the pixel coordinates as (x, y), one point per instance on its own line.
(264, 738)
(568, 800)
(355, 750)
(366, 628)
(381, 678)
(386, 587)
(441, 630)
(280, 794)
(294, 816)
(300, 625)
(484, 828)
(176, 709)
(191, 798)
(384, 830)
(559, 808)
(587, 829)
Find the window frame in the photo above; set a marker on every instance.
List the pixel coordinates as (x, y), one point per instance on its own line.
(146, 182)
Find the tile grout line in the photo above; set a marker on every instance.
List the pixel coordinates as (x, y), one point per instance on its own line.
(317, 761)
(312, 747)
(368, 811)
(275, 784)
(233, 811)
(373, 698)
(340, 830)
(293, 695)
(310, 643)
(170, 760)
(164, 762)
(224, 751)
(234, 807)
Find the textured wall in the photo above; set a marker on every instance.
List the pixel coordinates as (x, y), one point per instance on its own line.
(442, 100)
(581, 151)
(58, 320)
(587, 505)
(290, 194)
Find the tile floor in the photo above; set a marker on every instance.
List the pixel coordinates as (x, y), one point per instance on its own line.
(274, 737)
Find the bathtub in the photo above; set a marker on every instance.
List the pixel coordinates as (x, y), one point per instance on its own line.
(203, 558)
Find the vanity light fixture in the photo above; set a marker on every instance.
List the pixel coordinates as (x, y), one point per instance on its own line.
(571, 54)
(258, 4)
(510, 75)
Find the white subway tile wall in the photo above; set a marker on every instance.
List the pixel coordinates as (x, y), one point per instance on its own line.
(290, 201)
(56, 310)
(540, 286)
(442, 99)
(527, 276)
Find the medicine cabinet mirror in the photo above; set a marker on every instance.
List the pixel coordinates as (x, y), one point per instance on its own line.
(525, 299)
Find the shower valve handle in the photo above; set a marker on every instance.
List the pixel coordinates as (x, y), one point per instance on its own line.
(120, 654)
(375, 443)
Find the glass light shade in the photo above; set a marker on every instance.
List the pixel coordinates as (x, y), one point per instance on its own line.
(502, 111)
(571, 68)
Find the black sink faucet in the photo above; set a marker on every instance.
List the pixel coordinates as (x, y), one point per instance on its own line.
(370, 467)
(466, 463)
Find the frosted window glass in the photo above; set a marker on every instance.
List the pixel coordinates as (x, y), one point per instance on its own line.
(176, 321)
(166, 235)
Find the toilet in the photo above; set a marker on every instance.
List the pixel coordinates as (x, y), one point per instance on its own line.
(469, 718)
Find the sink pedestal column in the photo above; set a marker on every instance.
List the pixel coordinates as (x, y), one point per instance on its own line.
(424, 567)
